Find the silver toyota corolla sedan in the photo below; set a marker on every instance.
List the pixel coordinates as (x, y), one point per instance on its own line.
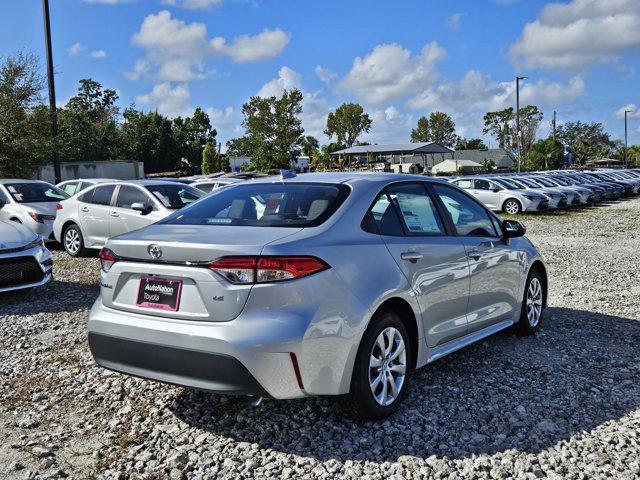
(108, 209)
(317, 284)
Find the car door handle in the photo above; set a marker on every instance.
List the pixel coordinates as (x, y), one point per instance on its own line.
(475, 254)
(85, 209)
(411, 256)
(115, 214)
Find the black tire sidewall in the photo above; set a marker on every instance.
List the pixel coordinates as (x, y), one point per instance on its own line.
(80, 251)
(524, 327)
(364, 405)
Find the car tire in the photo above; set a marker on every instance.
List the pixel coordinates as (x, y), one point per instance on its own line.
(533, 304)
(73, 242)
(512, 207)
(366, 401)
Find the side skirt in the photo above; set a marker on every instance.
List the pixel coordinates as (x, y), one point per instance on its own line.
(450, 347)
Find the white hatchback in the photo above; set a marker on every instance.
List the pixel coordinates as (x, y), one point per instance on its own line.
(109, 209)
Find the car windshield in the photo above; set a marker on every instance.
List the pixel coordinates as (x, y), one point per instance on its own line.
(544, 182)
(35, 192)
(506, 184)
(527, 182)
(175, 195)
(265, 205)
(562, 181)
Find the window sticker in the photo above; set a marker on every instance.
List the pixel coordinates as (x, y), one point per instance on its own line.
(12, 189)
(162, 199)
(18, 197)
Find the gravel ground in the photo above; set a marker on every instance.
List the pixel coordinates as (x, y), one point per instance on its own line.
(564, 403)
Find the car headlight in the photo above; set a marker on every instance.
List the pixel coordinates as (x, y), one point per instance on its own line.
(40, 218)
(38, 242)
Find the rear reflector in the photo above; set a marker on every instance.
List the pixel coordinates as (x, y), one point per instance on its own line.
(248, 270)
(296, 369)
(59, 206)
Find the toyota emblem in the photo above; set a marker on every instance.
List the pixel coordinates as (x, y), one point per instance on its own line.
(154, 251)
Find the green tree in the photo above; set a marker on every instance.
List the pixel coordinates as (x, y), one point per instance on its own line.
(208, 158)
(191, 134)
(442, 129)
(439, 128)
(309, 145)
(24, 121)
(544, 154)
(490, 165)
(501, 125)
(272, 131)
(148, 137)
(421, 133)
(347, 123)
(88, 124)
(470, 144)
(587, 140)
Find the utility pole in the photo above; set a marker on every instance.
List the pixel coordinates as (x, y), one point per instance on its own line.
(52, 92)
(625, 136)
(553, 123)
(518, 135)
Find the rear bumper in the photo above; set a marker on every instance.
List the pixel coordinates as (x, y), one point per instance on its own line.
(180, 366)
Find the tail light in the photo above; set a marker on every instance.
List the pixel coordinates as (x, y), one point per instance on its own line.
(107, 259)
(59, 206)
(249, 270)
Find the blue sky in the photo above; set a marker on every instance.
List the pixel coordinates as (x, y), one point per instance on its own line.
(399, 59)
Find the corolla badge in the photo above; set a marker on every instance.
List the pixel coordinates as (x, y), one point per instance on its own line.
(154, 251)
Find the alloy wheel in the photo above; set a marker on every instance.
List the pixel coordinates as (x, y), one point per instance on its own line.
(534, 302)
(387, 366)
(72, 241)
(511, 207)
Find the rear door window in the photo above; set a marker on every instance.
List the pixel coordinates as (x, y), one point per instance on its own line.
(418, 212)
(70, 188)
(102, 195)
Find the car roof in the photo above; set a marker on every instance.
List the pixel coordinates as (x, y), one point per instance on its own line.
(96, 180)
(142, 183)
(346, 177)
(4, 181)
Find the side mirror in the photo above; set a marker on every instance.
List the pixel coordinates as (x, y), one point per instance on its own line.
(513, 229)
(141, 207)
(495, 189)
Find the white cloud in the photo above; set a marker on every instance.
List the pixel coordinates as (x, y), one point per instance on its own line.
(76, 49)
(325, 75)
(98, 54)
(453, 22)
(288, 79)
(390, 72)
(248, 48)
(193, 4)
(221, 117)
(632, 108)
(478, 91)
(177, 50)
(389, 125)
(172, 101)
(578, 34)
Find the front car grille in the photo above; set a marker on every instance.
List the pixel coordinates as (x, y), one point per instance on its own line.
(562, 202)
(543, 205)
(576, 200)
(16, 271)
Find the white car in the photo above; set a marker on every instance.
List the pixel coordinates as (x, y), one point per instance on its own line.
(32, 203)
(109, 209)
(24, 260)
(208, 185)
(76, 186)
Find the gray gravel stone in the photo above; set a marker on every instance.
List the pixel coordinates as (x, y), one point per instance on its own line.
(562, 404)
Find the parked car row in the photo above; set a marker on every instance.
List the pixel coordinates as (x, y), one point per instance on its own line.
(537, 191)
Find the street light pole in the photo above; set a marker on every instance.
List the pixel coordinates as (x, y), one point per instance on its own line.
(518, 139)
(625, 136)
(52, 91)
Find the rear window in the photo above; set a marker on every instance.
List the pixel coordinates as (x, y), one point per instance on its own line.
(265, 205)
(35, 192)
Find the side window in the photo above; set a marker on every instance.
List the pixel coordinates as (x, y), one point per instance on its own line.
(468, 217)
(383, 218)
(3, 198)
(83, 185)
(482, 184)
(87, 197)
(127, 196)
(102, 195)
(416, 208)
(70, 188)
(464, 183)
